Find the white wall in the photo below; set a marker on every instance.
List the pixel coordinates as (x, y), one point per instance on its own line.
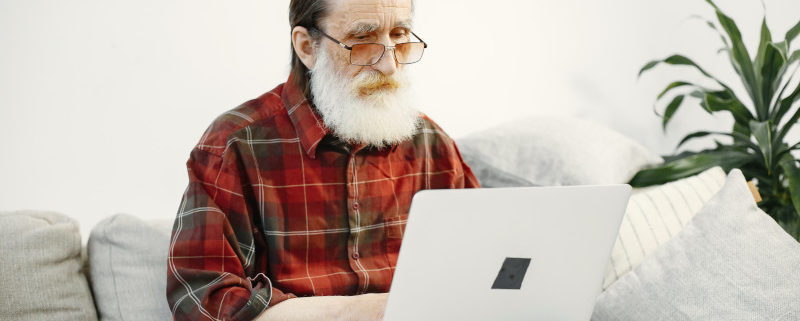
(101, 101)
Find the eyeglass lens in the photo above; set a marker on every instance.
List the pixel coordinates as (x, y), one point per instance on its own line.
(369, 53)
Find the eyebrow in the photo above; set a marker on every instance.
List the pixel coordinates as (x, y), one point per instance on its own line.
(362, 28)
(371, 27)
(403, 24)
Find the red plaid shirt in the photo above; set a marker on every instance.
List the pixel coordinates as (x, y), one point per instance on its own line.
(277, 207)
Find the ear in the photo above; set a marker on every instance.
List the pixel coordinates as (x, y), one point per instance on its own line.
(304, 46)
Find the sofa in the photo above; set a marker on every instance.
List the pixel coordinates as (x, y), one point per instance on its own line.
(694, 249)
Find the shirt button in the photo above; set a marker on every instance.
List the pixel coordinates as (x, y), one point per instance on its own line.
(355, 256)
(355, 205)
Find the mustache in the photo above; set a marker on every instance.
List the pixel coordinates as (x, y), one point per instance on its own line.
(372, 81)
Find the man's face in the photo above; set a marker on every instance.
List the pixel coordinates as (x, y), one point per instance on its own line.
(366, 21)
(364, 104)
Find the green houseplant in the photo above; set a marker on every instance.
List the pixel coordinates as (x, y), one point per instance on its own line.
(758, 143)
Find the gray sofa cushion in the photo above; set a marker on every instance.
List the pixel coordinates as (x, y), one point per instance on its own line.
(731, 262)
(128, 265)
(41, 268)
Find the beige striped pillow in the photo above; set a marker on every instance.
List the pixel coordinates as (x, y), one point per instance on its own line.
(655, 214)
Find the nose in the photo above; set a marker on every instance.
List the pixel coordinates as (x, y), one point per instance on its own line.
(387, 65)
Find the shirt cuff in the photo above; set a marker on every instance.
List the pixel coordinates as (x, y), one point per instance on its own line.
(262, 296)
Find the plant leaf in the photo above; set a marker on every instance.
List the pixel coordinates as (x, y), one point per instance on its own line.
(673, 85)
(741, 129)
(694, 135)
(785, 104)
(771, 74)
(762, 131)
(751, 171)
(742, 140)
(743, 143)
(766, 39)
(785, 149)
(741, 59)
(680, 60)
(649, 66)
(672, 158)
(790, 60)
(789, 100)
(723, 100)
(781, 46)
(792, 33)
(792, 173)
(713, 26)
(795, 56)
(671, 109)
(690, 164)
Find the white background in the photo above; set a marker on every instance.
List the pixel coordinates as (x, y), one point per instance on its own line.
(102, 100)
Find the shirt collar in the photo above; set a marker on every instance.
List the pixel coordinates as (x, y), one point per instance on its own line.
(307, 122)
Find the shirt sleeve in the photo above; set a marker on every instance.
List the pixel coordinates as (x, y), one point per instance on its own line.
(470, 181)
(217, 259)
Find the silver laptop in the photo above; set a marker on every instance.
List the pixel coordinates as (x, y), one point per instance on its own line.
(531, 253)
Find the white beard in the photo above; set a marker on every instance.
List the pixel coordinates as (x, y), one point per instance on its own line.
(380, 117)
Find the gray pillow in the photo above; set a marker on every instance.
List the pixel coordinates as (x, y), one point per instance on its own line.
(731, 262)
(553, 150)
(488, 175)
(40, 267)
(128, 265)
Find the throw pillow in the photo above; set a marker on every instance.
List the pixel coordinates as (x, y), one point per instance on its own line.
(128, 265)
(731, 262)
(41, 268)
(655, 214)
(553, 150)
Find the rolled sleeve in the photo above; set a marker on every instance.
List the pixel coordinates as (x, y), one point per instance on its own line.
(216, 261)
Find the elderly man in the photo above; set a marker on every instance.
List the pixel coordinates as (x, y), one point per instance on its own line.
(297, 200)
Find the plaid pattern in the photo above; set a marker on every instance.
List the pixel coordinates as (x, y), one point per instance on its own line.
(277, 208)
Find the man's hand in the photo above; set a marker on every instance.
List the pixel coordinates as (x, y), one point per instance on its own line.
(365, 307)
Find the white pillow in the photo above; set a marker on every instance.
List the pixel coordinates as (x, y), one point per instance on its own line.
(128, 264)
(553, 150)
(655, 214)
(731, 262)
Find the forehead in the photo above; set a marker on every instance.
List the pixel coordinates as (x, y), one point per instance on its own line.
(385, 14)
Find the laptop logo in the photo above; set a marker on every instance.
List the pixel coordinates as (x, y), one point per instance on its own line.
(511, 273)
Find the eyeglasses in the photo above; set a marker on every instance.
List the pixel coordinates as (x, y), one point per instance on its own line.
(368, 54)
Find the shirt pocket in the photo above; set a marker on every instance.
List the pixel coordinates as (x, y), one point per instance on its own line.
(395, 226)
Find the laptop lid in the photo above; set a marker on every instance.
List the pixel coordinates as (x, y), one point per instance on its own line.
(531, 253)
